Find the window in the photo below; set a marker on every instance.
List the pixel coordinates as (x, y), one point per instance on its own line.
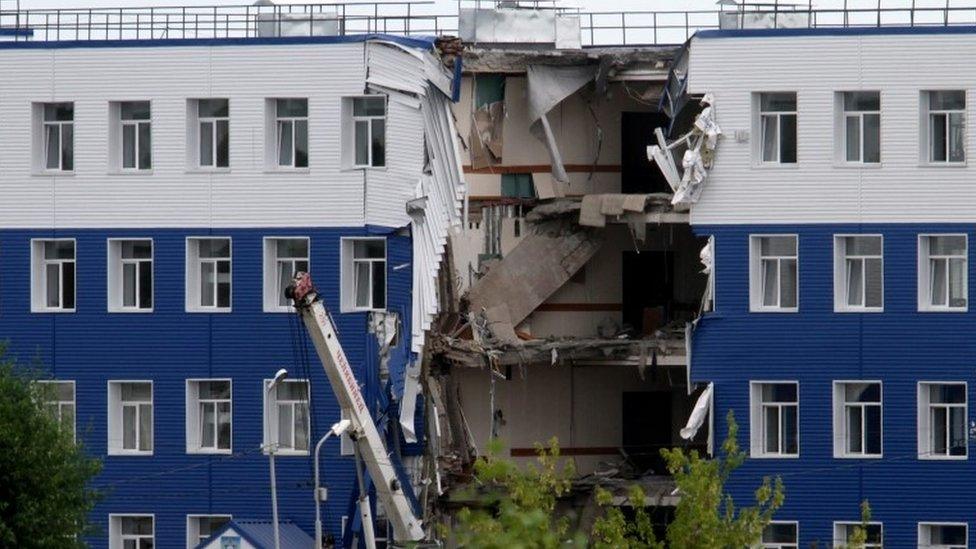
(844, 533)
(53, 276)
(59, 144)
(136, 135)
(774, 273)
(363, 274)
(211, 140)
(774, 425)
(208, 279)
(862, 127)
(857, 419)
(780, 535)
(130, 418)
(283, 257)
(208, 416)
(199, 528)
(130, 275)
(60, 402)
(777, 127)
(369, 130)
(943, 536)
(942, 427)
(943, 278)
(946, 126)
(291, 133)
(288, 420)
(132, 532)
(858, 273)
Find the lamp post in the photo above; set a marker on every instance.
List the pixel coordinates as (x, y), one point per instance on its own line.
(337, 429)
(272, 446)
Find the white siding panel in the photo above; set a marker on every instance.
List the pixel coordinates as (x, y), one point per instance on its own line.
(818, 189)
(174, 194)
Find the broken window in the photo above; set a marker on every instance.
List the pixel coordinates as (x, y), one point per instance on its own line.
(774, 273)
(518, 185)
(860, 279)
(775, 411)
(291, 133)
(857, 419)
(943, 277)
(487, 120)
(946, 126)
(213, 116)
(780, 535)
(777, 126)
(942, 429)
(862, 127)
(59, 147)
(136, 135)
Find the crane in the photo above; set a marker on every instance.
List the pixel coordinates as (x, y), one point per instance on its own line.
(369, 447)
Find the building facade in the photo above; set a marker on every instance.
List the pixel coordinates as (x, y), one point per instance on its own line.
(157, 195)
(840, 207)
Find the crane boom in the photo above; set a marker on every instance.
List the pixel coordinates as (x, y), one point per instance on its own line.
(369, 444)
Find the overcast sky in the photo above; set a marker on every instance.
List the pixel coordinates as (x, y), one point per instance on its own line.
(443, 6)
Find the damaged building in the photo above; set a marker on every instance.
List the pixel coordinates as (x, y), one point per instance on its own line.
(572, 280)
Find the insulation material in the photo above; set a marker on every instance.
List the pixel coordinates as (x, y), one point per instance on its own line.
(701, 141)
(487, 127)
(707, 257)
(698, 414)
(408, 406)
(548, 87)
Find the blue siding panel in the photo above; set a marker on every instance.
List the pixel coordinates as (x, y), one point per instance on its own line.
(816, 346)
(169, 346)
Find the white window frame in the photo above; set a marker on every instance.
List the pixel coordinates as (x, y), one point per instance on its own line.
(925, 536)
(194, 433)
(275, 132)
(195, 122)
(925, 274)
(925, 450)
(840, 533)
(844, 114)
(841, 273)
(136, 123)
(354, 120)
(193, 536)
(271, 405)
(840, 410)
(39, 276)
(756, 278)
(61, 404)
(760, 129)
(757, 424)
(271, 260)
(116, 538)
(42, 140)
(347, 274)
(194, 272)
(116, 418)
(928, 135)
(116, 276)
(795, 545)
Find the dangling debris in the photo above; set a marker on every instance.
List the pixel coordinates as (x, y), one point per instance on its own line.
(701, 142)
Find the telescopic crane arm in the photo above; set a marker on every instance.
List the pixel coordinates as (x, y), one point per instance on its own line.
(369, 444)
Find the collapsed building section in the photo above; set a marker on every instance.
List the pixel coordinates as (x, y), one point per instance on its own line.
(570, 285)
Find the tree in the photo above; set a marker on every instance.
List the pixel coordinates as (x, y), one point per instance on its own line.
(44, 493)
(515, 507)
(706, 515)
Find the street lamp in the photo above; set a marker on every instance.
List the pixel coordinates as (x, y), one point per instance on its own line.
(272, 446)
(337, 429)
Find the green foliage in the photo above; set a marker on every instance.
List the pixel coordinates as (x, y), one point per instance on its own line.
(613, 530)
(859, 536)
(44, 474)
(706, 516)
(516, 506)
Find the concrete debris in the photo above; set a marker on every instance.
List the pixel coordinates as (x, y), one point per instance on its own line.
(548, 87)
(701, 142)
(487, 127)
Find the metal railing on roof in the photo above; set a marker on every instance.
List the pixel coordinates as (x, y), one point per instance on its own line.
(403, 17)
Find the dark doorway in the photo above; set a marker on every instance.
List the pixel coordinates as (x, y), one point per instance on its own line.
(647, 428)
(638, 174)
(648, 290)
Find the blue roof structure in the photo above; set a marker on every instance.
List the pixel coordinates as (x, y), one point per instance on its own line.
(419, 42)
(260, 533)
